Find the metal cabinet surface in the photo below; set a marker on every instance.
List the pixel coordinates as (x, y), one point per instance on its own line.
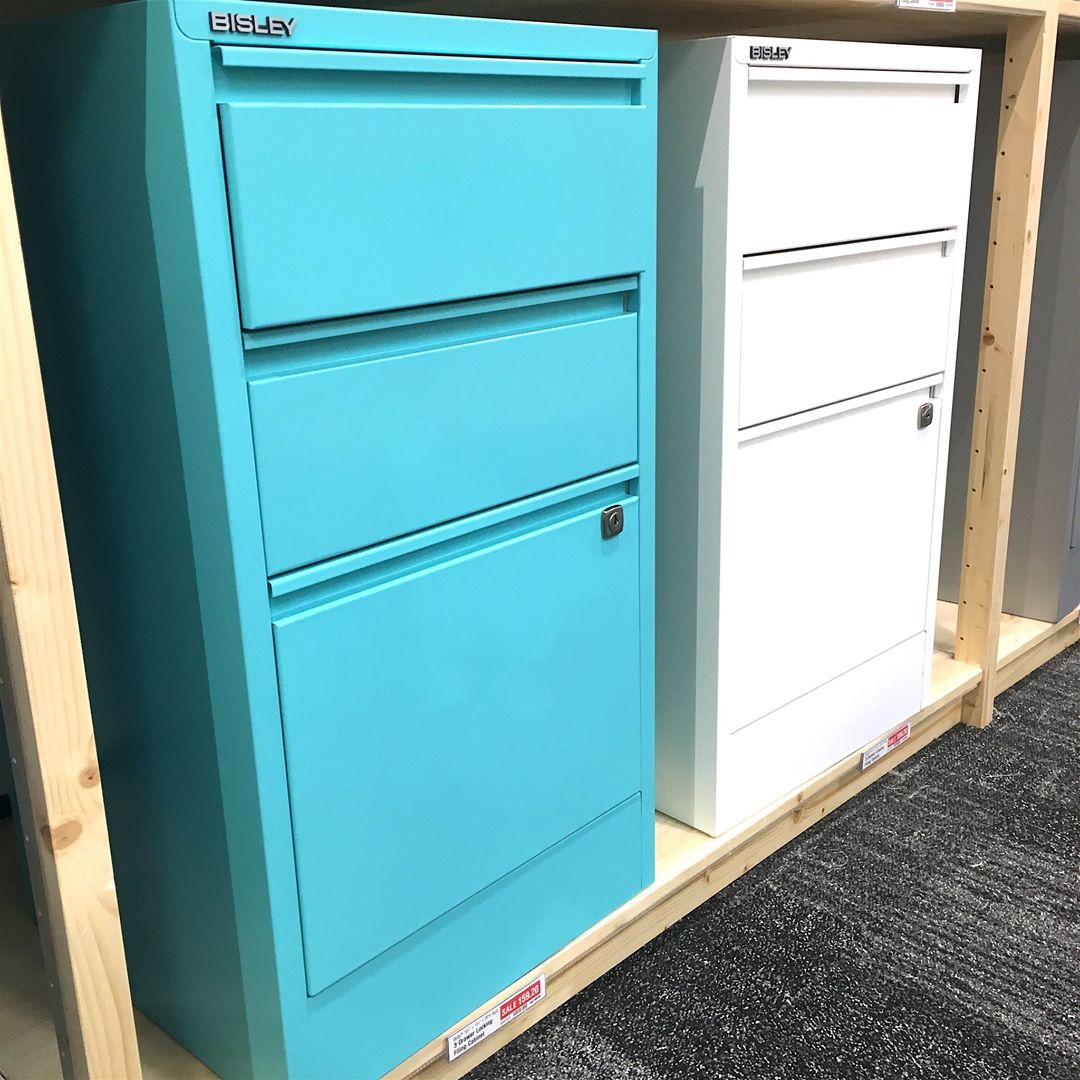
(347, 335)
(1042, 571)
(808, 303)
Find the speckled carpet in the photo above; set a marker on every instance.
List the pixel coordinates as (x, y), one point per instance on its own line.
(929, 929)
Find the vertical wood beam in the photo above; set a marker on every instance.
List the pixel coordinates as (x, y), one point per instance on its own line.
(1014, 224)
(47, 709)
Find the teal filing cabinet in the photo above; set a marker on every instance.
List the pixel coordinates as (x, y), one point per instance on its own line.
(347, 322)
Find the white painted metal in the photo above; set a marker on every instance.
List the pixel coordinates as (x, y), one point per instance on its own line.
(839, 57)
(802, 322)
(834, 161)
(762, 763)
(838, 336)
(816, 512)
(929, 384)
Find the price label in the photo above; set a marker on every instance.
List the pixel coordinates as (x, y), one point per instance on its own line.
(885, 744)
(465, 1038)
(928, 5)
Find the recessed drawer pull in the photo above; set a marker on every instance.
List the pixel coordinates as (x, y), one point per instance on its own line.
(793, 256)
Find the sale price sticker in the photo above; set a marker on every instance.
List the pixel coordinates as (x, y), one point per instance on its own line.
(928, 5)
(465, 1038)
(885, 744)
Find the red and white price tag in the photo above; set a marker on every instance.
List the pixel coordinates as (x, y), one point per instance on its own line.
(886, 743)
(465, 1038)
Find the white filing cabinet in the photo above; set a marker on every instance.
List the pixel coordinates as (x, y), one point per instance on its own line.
(813, 204)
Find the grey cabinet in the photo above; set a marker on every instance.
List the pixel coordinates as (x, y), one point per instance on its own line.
(1042, 576)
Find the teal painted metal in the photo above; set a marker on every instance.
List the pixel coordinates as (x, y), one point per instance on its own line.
(472, 425)
(373, 695)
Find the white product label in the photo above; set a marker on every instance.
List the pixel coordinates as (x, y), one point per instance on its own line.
(928, 5)
(467, 1037)
(885, 744)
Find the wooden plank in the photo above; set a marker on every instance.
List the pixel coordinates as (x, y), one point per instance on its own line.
(1069, 13)
(1038, 650)
(47, 709)
(1017, 632)
(1018, 178)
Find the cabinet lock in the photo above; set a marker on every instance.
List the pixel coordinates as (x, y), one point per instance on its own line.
(611, 521)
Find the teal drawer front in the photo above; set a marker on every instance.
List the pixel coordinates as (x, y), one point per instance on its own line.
(354, 454)
(467, 715)
(357, 187)
(428, 983)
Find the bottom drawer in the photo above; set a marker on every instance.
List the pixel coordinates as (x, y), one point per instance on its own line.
(816, 511)
(459, 712)
(769, 759)
(378, 1016)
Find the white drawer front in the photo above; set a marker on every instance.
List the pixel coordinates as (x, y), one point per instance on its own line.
(768, 760)
(817, 511)
(840, 322)
(833, 161)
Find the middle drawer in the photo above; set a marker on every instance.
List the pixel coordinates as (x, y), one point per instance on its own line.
(381, 445)
(819, 325)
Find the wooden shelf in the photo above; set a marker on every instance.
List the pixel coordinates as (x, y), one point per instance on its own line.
(690, 866)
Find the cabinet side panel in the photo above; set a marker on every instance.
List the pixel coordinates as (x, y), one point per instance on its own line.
(689, 74)
(1036, 570)
(75, 105)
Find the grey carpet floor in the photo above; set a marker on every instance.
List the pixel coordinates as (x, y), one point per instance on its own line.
(929, 929)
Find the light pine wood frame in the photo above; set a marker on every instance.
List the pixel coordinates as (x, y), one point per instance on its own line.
(44, 691)
(1014, 225)
(47, 709)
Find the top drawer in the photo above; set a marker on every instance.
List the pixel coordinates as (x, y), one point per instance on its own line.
(361, 182)
(849, 155)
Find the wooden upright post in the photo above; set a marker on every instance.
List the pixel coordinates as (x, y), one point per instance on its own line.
(47, 709)
(1018, 180)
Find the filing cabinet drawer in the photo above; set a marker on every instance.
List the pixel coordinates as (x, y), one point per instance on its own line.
(468, 709)
(820, 325)
(361, 452)
(852, 156)
(818, 510)
(418, 180)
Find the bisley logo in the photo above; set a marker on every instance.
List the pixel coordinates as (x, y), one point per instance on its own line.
(227, 22)
(770, 52)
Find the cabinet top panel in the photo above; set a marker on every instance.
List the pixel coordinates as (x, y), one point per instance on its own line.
(242, 22)
(850, 55)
